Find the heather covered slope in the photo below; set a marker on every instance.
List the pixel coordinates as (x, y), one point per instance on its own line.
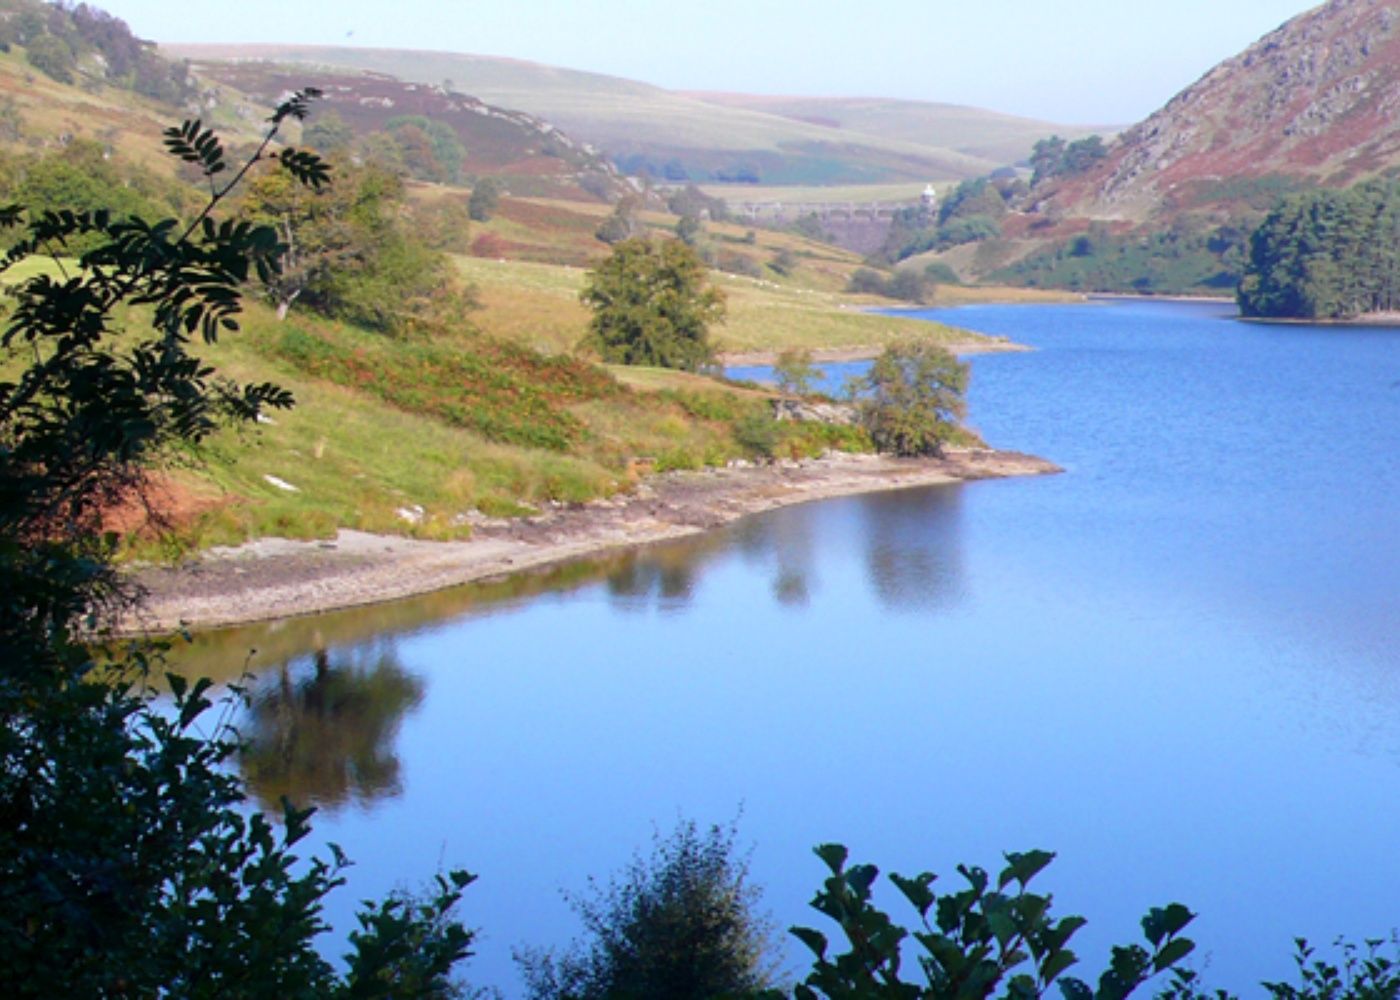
(701, 136)
(531, 157)
(1314, 102)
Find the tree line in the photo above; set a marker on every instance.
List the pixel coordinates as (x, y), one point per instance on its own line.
(65, 41)
(1326, 254)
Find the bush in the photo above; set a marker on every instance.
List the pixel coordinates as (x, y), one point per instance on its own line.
(976, 943)
(680, 924)
(866, 281)
(941, 273)
(486, 195)
(757, 433)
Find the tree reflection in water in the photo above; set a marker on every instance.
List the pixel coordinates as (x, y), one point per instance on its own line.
(321, 732)
(665, 577)
(914, 559)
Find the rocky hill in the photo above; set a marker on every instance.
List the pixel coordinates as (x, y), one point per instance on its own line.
(1314, 103)
(531, 157)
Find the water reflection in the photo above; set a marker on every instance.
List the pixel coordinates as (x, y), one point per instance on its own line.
(914, 548)
(665, 577)
(321, 730)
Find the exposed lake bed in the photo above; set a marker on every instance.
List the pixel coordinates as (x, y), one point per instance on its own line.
(274, 578)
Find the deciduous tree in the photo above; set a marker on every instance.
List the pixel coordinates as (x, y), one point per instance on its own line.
(912, 398)
(653, 305)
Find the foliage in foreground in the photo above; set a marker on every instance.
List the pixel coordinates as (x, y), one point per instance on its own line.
(973, 943)
(912, 398)
(681, 924)
(128, 867)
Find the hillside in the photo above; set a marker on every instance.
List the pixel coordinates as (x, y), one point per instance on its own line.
(1170, 205)
(702, 137)
(987, 135)
(530, 157)
(1313, 103)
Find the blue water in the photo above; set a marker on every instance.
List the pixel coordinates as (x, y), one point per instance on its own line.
(1175, 664)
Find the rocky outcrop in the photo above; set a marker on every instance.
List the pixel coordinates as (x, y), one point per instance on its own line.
(841, 414)
(1317, 100)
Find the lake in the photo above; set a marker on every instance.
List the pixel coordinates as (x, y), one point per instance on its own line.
(1175, 665)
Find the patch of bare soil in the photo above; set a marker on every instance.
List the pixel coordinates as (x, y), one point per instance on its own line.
(275, 578)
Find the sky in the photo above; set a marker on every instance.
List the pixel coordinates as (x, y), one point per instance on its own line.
(1093, 62)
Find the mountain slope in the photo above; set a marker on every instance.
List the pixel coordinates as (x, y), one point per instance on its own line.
(987, 135)
(701, 135)
(531, 157)
(1315, 102)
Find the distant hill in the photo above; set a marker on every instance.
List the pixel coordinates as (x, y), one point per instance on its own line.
(705, 137)
(531, 157)
(986, 135)
(1314, 103)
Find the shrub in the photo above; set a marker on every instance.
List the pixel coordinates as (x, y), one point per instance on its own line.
(679, 924)
(985, 940)
(486, 195)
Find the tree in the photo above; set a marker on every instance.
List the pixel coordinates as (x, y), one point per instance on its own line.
(53, 57)
(329, 133)
(346, 252)
(622, 224)
(128, 863)
(912, 398)
(652, 305)
(690, 230)
(681, 924)
(794, 371)
(486, 195)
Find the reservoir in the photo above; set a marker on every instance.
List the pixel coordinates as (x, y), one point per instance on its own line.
(1175, 665)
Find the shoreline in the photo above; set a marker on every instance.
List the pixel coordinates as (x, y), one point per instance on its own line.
(868, 352)
(271, 579)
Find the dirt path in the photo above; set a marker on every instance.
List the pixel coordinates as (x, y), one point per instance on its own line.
(276, 578)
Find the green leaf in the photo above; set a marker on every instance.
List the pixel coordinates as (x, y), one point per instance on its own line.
(1057, 963)
(1021, 868)
(814, 940)
(916, 890)
(834, 855)
(1173, 952)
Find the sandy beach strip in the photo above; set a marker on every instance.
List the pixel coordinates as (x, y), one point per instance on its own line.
(271, 579)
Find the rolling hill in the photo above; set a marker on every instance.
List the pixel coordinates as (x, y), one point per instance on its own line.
(703, 137)
(987, 135)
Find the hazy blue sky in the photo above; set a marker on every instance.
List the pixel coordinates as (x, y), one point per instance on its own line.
(1071, 61)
